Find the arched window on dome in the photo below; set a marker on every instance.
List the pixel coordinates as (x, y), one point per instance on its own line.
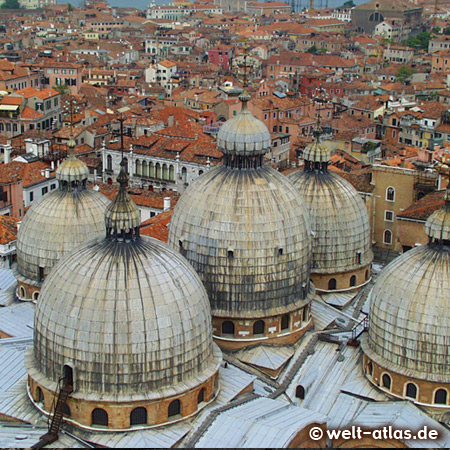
(138, 416)
(66, 411)
(300, 392)
(386, 381)
(440, 397)
(332, 284)
(411, 390)
(99, 417)
(200, 172)
(39, 395)
(353, 280)
(228, 327)
(35, 296)
(387, 237)
(305, 314)
(22, 292)
(370, 368)
(367, 275)
(68, 375)
(285, 320)
(390, 194)
(259, 327)
(201, 396)
(174, 408)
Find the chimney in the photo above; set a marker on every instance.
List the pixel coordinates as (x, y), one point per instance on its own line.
(53, 165)
(47, 172)
(7, 155)
(166, 204)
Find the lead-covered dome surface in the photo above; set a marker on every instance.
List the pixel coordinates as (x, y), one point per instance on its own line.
(55, 224)
(244, 135)
(132, 318)
(247, 234)
(339, 221)
(409, 328)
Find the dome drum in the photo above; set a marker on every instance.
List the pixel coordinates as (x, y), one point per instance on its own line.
(402, 384)
(233, 334)
(341, 282)
(158, 411)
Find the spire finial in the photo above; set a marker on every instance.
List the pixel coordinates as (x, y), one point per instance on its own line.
(245, 96)
(317, 131)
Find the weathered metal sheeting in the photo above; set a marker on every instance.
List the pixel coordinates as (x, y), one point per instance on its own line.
(244, 135)
(339, 220)
(410, 314)
(247, 234)
(316, 152)
(17, 320)
(260, 423)
(24, 436)
(132, 318)
(8, 283)
(54, 225)
(266, 356)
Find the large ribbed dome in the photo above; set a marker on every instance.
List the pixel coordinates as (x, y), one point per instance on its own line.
(410, 314)
(339, 220)
(244, 134)
(54, 225)
(128, 314)
(133, 320)
(409, 330)
(232, 226)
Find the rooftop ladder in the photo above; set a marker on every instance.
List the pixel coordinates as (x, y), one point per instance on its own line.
(64, 390)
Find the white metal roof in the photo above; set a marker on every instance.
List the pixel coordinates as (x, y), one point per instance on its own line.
(17, 320)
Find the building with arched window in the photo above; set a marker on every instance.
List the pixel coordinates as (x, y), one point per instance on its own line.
(253, 247)
(406, 349)
(125, 289)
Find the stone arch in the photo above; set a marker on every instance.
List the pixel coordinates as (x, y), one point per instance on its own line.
(171, 173)
(138, 167)
(99, 417)
(386, 381)
(228, 327)
(440, 397)
(332, 284)
(158, 170)
(259, 327)
(353, 281)
(411, 390)
(285, 322)
(174, 408)
(201, 396)
(138, 416)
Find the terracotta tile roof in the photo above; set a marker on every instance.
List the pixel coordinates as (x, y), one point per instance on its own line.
(29, 113)
(29, 173)
(157, 227)
(42, 94)
(8, 229)
(424, 207)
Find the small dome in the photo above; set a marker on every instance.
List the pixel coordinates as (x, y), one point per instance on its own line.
(409, 331)
(339, 220)
(316, 152)
(244, 135)
(438, 224)
(58, 222)
(72, 170)
(247, 234)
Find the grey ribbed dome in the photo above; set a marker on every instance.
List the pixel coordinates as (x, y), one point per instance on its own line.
(247, 234)
(132, 318)
(244, 135)
(316, 152)
(55, 224)
(339, 220)
(409, 330)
